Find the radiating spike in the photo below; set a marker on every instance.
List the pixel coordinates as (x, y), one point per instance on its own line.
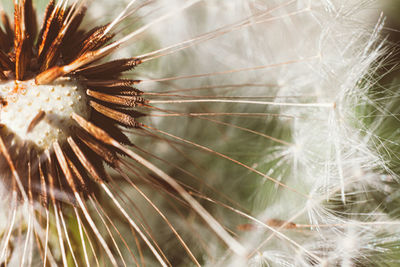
(43, 184)
(50, 175)
(45, 25)
(94, 40)
(85, 162)
(24, 30)
(68, 46)
(30, 20)
(109, 69)
(128, 101)
(118, 116)
(95, 131)
(82, 186)
(64, 166)
(111, 83)
(20, 41)
(105, 153)
(52, 26)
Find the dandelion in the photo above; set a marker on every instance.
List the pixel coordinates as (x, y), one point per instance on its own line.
(242, 143)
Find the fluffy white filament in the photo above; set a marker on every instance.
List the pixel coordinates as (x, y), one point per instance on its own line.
(319, 52)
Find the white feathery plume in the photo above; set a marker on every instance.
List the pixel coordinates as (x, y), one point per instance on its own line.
(324, 53)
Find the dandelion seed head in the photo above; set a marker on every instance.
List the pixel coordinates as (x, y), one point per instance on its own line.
(25, 99)
(309, 169)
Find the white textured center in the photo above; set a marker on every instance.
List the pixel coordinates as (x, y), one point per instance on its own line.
(23, 101)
